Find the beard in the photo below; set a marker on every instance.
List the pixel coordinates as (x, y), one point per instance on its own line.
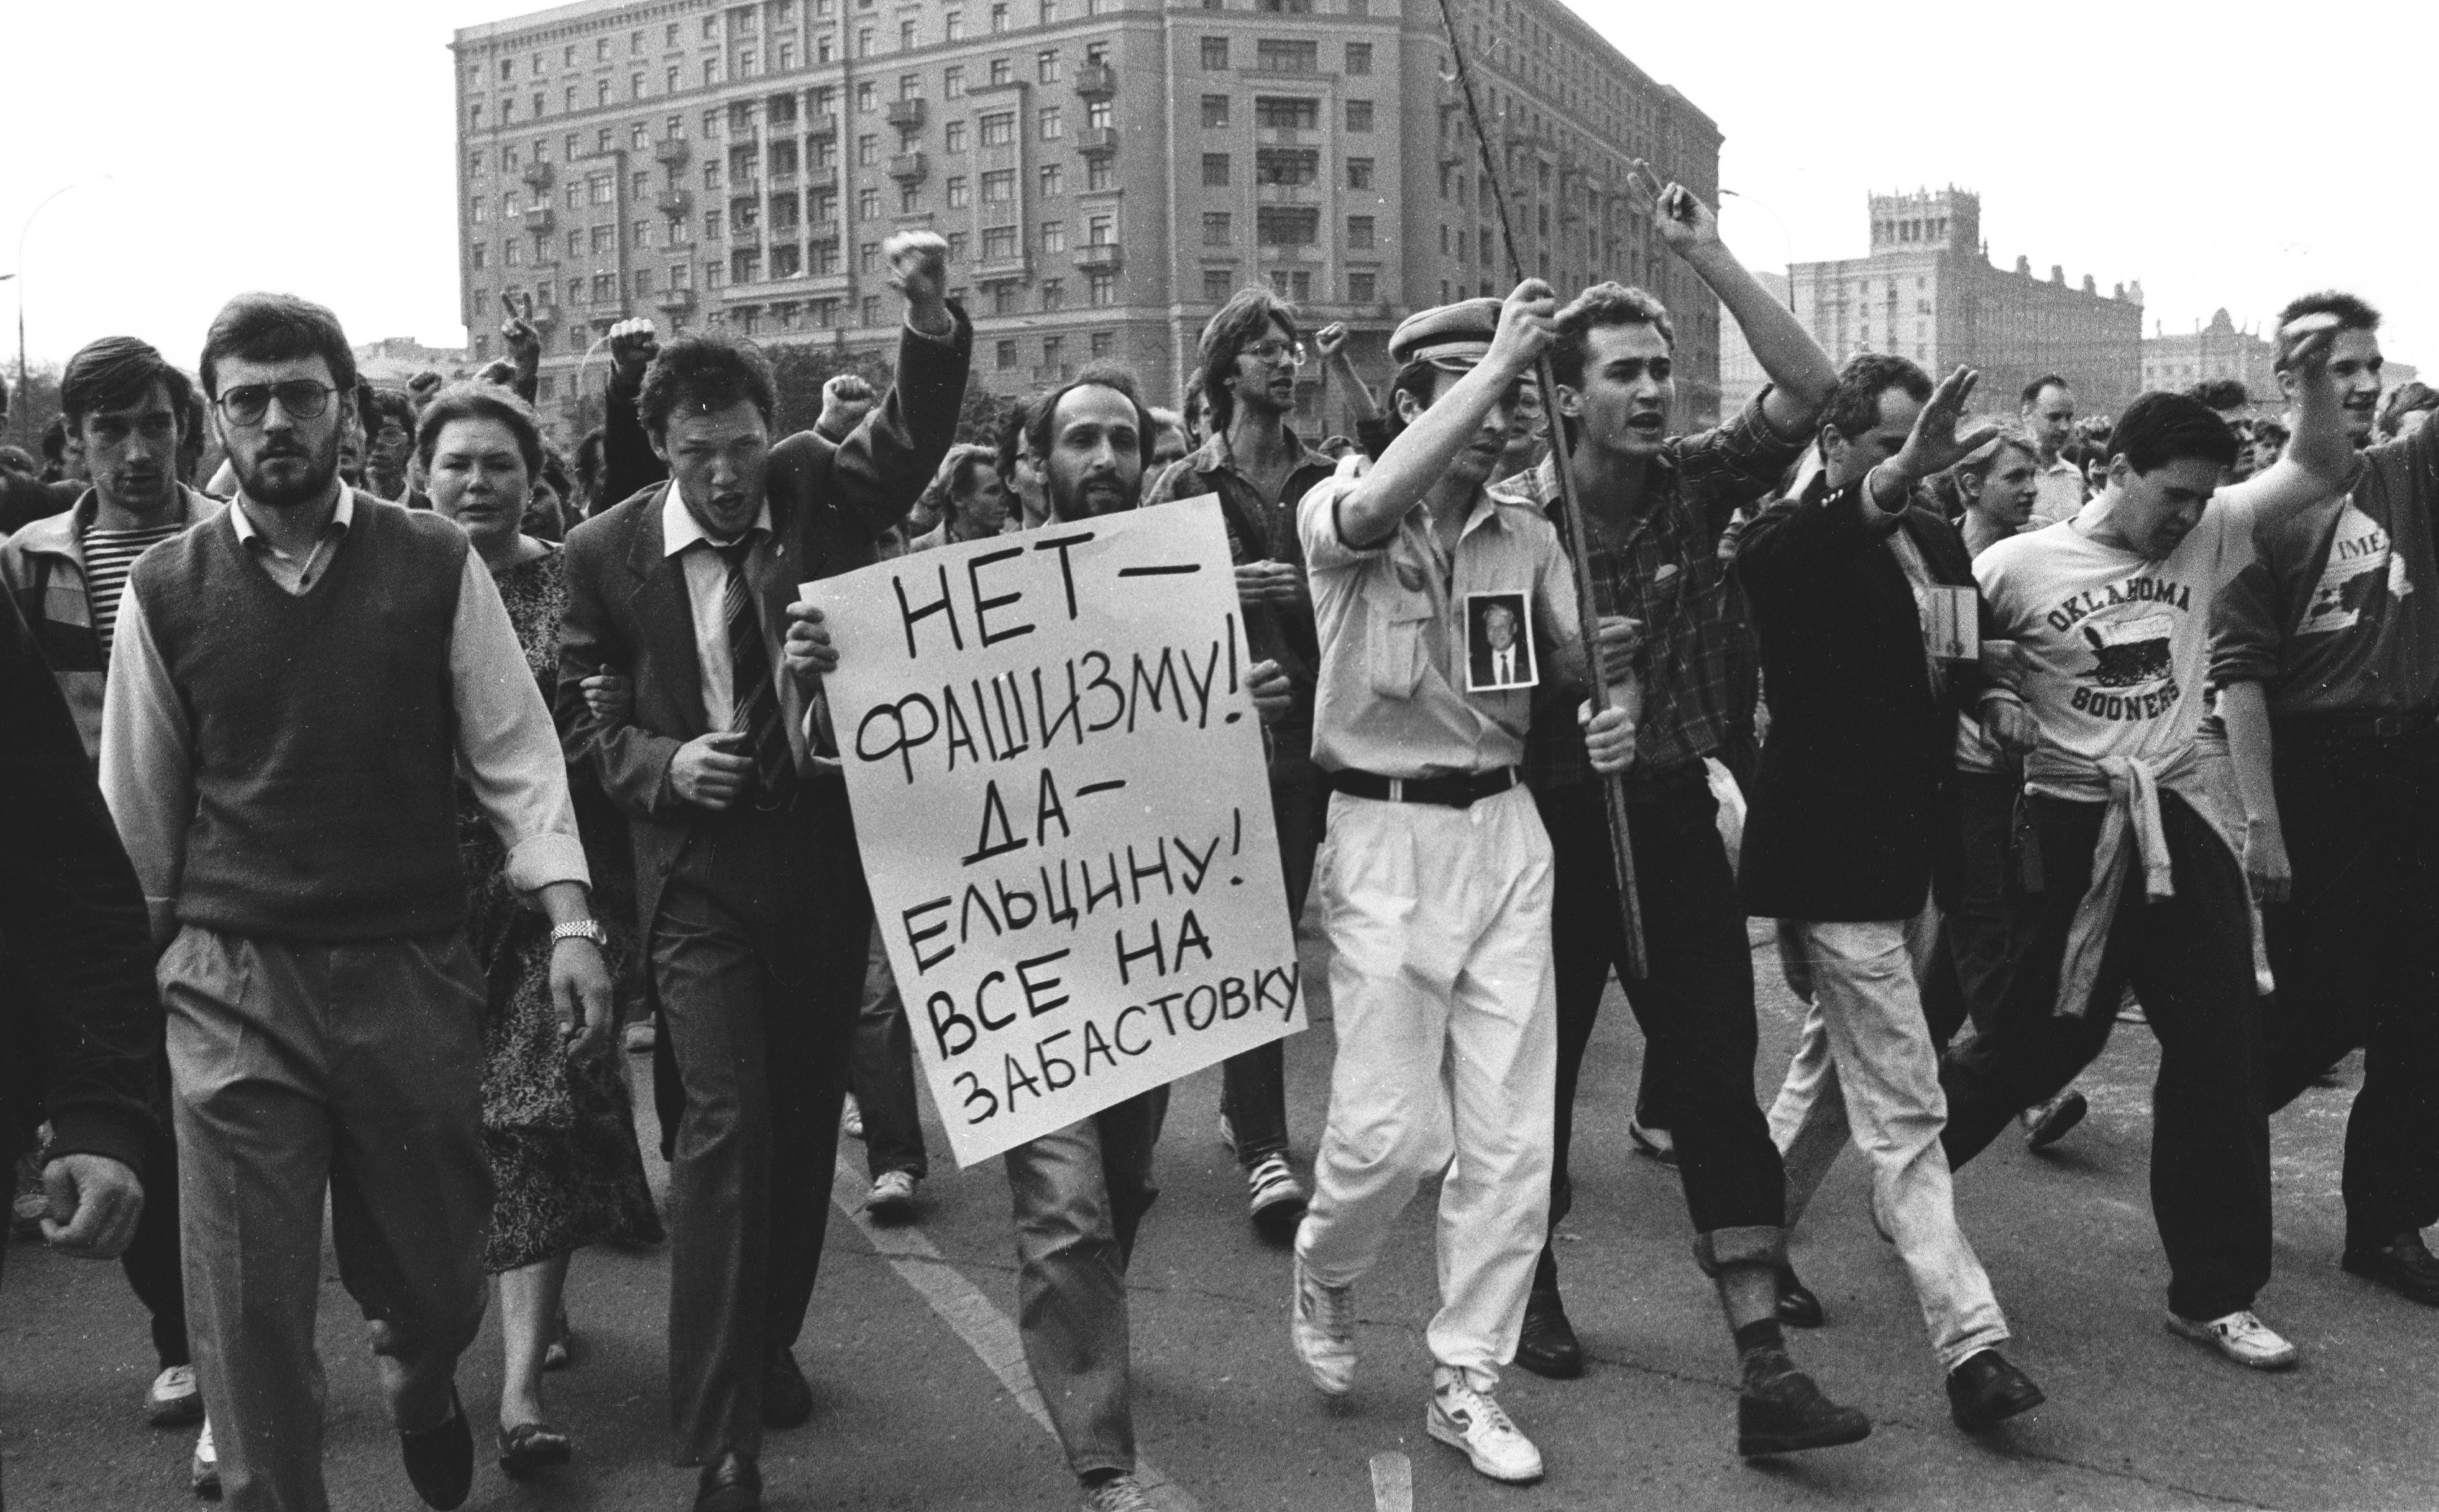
(285, 479)
(1086, 497)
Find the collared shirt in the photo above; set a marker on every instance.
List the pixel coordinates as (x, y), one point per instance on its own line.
(1259, 529)
(1698, 663)
(2062, 495)
(1391, 698)
(508, 748)
(297, 574)
(706, 580)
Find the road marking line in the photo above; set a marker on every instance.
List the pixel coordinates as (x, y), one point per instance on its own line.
(1393, 1482)
(972, 1316)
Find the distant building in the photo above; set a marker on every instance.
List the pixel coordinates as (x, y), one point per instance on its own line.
(1928, 291)
(1106, 171)
(1740, 374)
(393, 359)
(2216, 351)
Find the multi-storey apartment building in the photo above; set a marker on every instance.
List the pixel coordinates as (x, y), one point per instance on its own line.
(1928, 291)
(1105, 172)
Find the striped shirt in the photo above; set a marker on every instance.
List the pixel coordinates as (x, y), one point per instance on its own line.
(109, 555)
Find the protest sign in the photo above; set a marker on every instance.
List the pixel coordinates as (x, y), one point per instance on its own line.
(1058, 778)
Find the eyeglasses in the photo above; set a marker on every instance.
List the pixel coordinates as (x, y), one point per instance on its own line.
(300, 399)
(1272, 349)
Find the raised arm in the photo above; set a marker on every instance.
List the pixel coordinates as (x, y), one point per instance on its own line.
(629, 464)
(1368, 512)
(1332, 341)
(2319, 460)
(885, 462)
(1801, 374)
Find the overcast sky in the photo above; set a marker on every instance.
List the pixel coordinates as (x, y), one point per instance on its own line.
(2207, 150)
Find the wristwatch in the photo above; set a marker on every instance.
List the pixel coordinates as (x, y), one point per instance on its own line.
(577, 929)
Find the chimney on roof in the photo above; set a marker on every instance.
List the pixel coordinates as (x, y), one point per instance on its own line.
(2057, 274)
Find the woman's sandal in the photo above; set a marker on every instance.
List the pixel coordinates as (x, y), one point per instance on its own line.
(530, 1446)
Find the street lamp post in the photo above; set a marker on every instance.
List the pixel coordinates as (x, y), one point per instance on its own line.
(23, 231)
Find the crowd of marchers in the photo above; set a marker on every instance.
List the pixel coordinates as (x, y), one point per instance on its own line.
(365, 797)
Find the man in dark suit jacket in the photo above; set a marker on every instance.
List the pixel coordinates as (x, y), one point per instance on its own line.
(1850, 819)
(750, 893)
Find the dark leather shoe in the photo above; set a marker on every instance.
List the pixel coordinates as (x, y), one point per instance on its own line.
(1986, 1390)
(732, 1482)
(1782, 1412)
(787, 1399)
(1797, 1307)
(1548, 1346)
(2402, 1265)
(440, 1460)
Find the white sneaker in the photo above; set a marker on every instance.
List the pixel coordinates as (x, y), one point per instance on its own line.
(893, 1197)
(2240, 1335)
(1471, 1420)
(204, 1472)
(1322, 1323)
(173, 1400)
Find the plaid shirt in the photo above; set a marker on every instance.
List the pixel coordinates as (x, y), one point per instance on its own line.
(1697, 665)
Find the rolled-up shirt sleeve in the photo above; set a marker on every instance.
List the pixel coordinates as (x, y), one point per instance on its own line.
(1325, 549)
(148, 764)
(506, 746)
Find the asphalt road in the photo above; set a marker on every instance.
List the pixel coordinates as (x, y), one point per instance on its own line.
(921, 1403)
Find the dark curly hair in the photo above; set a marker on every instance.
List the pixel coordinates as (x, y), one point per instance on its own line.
(704, 370)
(2158, 429)
(261, 327)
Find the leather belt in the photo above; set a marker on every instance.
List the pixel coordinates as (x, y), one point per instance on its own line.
(1462, 790)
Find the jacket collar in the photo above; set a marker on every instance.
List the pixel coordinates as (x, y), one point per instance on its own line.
(63, 534)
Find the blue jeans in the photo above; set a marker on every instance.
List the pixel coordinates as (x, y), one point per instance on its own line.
(1079, 1195)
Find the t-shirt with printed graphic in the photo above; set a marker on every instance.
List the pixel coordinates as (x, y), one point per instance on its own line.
(2117, 644)
(2339, 613)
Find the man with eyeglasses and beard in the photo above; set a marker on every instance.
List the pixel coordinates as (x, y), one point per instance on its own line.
(1260, 470)
(295, 689)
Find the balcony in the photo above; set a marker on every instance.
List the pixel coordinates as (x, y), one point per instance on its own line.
(822, 128)
(675, 301)
(544, 315)
(1287, 194)
(903, 114)
(1011, 269)
(1096, 80)
(1097, 256)
(671, 151)
(541, 218)
(538, 175)
(675, 202)
(909, 168)
(1097, 141)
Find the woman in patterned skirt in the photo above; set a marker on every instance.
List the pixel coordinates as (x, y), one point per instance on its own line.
(556, 1117)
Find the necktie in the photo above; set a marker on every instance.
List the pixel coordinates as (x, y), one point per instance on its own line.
(755, 701)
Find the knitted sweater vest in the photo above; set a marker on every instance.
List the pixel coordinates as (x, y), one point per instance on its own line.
(325, 739)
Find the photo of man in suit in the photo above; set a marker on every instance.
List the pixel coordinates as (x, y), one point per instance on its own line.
(1499, 655)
